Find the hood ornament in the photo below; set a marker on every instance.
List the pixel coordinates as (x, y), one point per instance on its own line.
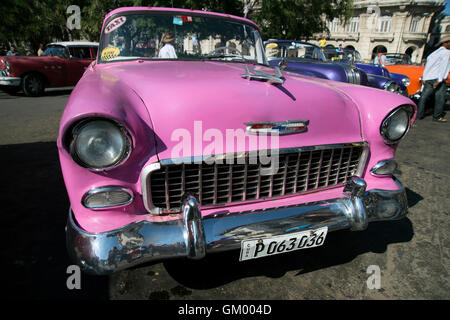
(279, 128)
(258, 75)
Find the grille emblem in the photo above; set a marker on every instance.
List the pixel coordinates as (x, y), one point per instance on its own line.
(280, 128)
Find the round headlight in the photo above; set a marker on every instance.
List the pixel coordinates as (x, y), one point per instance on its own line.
(391, 86)
(395, 126)
(406, 81)
(99, 144)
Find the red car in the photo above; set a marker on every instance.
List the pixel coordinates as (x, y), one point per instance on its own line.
(61, 64)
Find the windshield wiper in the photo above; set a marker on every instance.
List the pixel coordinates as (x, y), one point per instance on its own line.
(223, 56)
(258, 75)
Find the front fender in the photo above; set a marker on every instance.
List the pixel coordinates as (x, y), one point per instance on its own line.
(100, 95)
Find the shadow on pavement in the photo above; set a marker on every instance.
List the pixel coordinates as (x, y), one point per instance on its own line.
(34, 212)
(341, 247)
(413, 197)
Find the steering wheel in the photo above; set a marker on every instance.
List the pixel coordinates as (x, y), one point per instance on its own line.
(224, 48)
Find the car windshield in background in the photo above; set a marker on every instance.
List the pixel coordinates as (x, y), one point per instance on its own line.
(397, 58)
(56, 51)
(345, 55)
(296, 50)
(80, 52)
(179, 37)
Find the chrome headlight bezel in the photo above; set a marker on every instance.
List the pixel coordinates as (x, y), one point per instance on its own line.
(406, 81)
(391, 86)
(385, 124)
(124, 152)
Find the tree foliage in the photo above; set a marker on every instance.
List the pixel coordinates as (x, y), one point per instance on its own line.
(298, 19)
(30, 22)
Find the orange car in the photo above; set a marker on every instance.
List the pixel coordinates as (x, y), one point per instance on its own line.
(401, 63)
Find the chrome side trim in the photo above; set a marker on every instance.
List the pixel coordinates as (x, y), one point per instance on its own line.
(10, 81)
(363, 160)
(146, 188)
(236, 155)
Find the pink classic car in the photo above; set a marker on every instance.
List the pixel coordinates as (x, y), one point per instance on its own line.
(193, 145)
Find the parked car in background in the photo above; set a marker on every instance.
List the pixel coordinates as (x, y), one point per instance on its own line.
(308, 59)
(401, 63)
(61, 64)
(142, 153)
(378, 76)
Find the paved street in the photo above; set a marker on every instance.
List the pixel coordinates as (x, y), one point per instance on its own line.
(413, 254)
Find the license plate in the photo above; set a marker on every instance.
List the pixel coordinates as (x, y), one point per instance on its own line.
(263, 247)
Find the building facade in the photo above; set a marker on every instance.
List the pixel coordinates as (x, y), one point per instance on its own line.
(394, 26)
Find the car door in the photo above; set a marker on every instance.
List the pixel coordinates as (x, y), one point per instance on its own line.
(80, 58)
(53, 65)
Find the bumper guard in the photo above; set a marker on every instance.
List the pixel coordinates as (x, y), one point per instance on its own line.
(193, 237)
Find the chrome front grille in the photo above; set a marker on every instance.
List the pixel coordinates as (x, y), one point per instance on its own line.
(299, 171)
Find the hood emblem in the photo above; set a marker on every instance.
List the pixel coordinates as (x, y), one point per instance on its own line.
(280, 128)
(258, 75)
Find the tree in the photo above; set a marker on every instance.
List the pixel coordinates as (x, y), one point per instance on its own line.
(298, 19)
(37, 21)
(94, 13)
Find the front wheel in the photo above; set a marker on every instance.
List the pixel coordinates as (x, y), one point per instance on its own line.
(33, 85)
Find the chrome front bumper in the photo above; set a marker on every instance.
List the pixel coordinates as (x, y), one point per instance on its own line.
(10, 81)
(193, 237)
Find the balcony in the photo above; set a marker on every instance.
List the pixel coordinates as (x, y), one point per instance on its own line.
(344, 36)
(382, 36)
(415, 37)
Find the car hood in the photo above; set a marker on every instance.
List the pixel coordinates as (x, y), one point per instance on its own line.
(406, 67)
(202, 100)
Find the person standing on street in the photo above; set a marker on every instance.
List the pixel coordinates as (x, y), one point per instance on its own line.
(41, 50)
(322, 42)
(12, 51)
(380, 59)
(434, 77)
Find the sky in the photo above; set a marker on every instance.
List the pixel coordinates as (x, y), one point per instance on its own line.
(447, 7)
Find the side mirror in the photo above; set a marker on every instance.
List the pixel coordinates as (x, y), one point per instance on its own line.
(283, 64)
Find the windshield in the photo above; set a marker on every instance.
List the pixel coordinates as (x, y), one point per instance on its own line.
(296, 50)
(343, 55)
(397, 58)
(56, 51)
(157, 36)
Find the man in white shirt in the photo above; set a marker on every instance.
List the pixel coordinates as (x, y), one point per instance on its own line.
(168, 51)
(434, 77)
